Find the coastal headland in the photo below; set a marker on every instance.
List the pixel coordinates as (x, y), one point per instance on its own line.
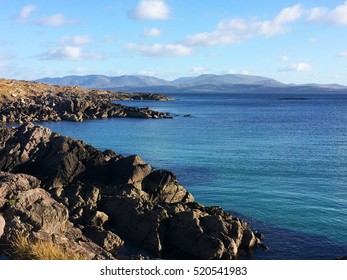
(22, 101)
(61, 190)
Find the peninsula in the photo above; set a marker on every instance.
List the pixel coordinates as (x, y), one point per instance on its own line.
(23, 101)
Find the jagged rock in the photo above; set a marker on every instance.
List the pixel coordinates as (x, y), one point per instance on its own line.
(186, 234)
(130, 190)
(72, 104)
(55, 159)
(13, 184)
(109, 154)
(174, 208)
(206, 236)
(5, 134)
(134, 219)
(2, 225)
(248, 239)
(162, 186)
(106, 195)
(211, 224)
(98, 219)
(104, 238)
(37, 208)
(129, 170)
(34, 213)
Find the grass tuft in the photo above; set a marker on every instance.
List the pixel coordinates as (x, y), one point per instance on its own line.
(25, 249)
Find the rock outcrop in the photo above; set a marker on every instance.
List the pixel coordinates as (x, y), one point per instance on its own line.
(107, 199)
(71, 107)
(15, 90)
(30, 210)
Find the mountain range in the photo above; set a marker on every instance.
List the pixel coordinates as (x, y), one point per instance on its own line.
(230, 83)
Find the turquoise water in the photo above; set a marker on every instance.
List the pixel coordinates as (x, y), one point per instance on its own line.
(281, 163)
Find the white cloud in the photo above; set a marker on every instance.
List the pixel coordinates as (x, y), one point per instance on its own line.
(235, 71)
(80, 70)
(199, 70)
(147, 73)
(78, 40)
(298, 67)
(24, 14)
(232, 71)
(283, 58)
(336, 16)
(343, 54)
(318, 13)
(152, 32)
(237, 30)
(160, 50)
(288, 15)
(71, 48)
(151, 9)
(64, 53)
(56, 20)
(70, 52)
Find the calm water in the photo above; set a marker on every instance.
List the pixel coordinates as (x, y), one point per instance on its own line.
(281, 163)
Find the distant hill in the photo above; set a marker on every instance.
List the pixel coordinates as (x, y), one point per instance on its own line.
(102, 82)
(230, 79)
(230, 83)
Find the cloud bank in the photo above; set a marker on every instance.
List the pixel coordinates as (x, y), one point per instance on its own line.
(337, 16)
(71, 48)
(237, 30)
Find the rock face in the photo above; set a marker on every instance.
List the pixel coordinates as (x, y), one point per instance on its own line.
(31, 210)
(107, 200)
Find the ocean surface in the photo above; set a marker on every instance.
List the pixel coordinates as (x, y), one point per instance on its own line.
(278, 161)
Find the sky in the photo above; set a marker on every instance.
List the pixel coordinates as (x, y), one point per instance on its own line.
(290, 41)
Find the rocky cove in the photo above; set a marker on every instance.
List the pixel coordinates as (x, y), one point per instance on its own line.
(99, 203)
(61, 189)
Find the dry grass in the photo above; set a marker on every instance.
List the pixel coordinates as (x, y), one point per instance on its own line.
(24, 249)
(11, 90)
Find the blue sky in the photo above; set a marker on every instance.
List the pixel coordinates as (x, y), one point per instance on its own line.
(291, 41)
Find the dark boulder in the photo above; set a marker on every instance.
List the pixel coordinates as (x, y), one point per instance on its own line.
(135, 220)
(162, 186)
(186, 233)
(129, 170)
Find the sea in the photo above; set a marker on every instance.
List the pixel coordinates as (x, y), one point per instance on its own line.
(278, 161)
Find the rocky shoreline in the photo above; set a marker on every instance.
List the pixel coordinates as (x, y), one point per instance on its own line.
(96, 202)
(22, 101)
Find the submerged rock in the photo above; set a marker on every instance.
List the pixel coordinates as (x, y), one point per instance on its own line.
(105, 199)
